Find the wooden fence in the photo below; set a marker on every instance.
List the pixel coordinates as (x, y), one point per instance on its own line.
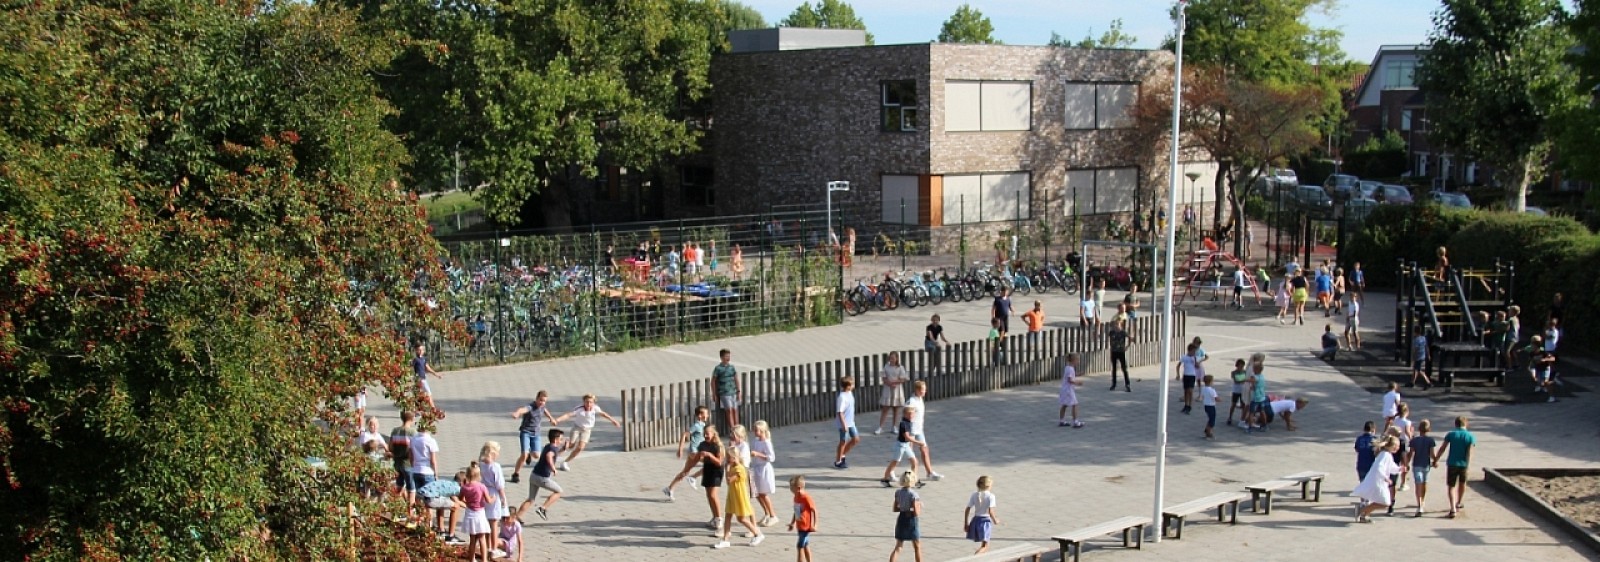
(656, 416)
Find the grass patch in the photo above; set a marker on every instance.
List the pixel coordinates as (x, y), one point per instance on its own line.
(443, 207)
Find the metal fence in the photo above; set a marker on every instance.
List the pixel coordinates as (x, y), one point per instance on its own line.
(518, 296)
(656, 416)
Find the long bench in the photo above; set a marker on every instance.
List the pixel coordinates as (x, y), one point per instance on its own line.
(1008, 554)
(1073, 541)
(1448, 376)
(1226, 504)
(1261, 492)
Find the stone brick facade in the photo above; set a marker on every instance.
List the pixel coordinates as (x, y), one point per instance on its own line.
(787, 122)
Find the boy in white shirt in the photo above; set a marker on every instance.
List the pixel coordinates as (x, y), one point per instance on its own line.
(1391, 405)
(1352, 321)
(845, 420)
(1208, 400)
(583, 418)
(919, 389)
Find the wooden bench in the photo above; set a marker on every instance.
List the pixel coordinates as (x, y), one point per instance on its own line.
(1307, 479)
(1448, 376)
(1221, 501)
(1073, 541)
(1263, 491)
(1008, 554)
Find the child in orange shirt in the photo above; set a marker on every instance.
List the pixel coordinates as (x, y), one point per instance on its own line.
(805, 518)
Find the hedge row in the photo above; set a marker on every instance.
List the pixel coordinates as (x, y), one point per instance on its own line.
(1551, 254)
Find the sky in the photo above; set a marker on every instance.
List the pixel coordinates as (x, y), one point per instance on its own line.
(1366, 23)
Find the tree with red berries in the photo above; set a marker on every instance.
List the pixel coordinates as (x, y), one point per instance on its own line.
(193, 198)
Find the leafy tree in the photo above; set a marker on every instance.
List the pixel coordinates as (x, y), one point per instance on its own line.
(1578, 127)
(1113, 38)
(967, 25)
(529, 92)
(192, 196)
(741, 16)
(1495, 77)
(826, 14)
(1266, 45)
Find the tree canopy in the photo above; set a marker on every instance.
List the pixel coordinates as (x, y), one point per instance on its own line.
(1112, 38)
(967, 25)
(1496, 77)
(192, 196)
(531, 93)
(826, 14)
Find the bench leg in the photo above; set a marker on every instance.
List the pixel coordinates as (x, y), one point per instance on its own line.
(1305, 490)
(1126, 542)
(1222, 509)
(1255, 501)
(1138, 540)
(1318, 496)
(1269, 503)
(1235, 518)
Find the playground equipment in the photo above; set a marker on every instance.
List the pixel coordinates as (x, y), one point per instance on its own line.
(1446, 309)
(1206, 271)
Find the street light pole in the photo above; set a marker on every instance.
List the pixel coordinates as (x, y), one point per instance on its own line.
(832, 187)
(1193, 176)
(1166, 305)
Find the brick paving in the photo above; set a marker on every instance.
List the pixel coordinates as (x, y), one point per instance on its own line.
(1048, 479)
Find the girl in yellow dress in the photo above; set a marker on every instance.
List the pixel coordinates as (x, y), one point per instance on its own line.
(738, 503)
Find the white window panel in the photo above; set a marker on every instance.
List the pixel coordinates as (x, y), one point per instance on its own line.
(1005, 196)
(1115, 189)
(897, 189)
(959, 190)
(1007, 106)
(1114, 101)
(1079, 192)
(1079, 106)
(962, 106)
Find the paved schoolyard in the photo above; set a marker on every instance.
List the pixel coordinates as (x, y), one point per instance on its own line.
(1048, 479)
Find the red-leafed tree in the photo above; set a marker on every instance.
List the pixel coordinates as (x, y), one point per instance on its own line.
(193, 196)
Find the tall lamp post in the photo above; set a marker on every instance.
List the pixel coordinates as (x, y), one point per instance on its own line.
(1166, 304)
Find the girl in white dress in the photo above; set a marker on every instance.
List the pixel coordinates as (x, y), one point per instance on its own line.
(1377, 488)
(1069, 392)
(763, 482)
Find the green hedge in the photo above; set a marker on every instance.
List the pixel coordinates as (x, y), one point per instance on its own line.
(1552, 254)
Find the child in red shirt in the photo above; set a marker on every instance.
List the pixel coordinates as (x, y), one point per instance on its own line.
(805, 518)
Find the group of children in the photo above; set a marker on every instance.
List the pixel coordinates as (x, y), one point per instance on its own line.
(1405, 448)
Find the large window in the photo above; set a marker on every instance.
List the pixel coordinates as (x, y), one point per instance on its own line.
(899, 99)
(901, 200)
(698, 186)
(1399, 74)
(987, 106)
(987, 197)
(1405, 120)
(1092, 105)
(1100, 191)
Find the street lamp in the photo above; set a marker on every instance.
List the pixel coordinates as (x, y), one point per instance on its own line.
(832, 187)
(1166, 305)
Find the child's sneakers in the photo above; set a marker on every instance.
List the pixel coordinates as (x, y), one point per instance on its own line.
(721, 544)
(715, 523)
(668, 491)
(1062, 423)
(886, 483)
(878, 431)
(936, 477)
(565, 466)
(757, 540)
(543, 513)
(694, 484)
(515, 478)
(1077, 424)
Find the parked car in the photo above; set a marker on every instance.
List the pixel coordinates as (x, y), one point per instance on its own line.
(1450, 199)
(1313, 200)
(1367, 189)
(1340, 185)
(1285, 176)
(1357, 209)
(1390, 194)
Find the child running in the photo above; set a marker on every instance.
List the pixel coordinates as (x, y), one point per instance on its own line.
(1391, 405)
(692, 437)
(908, 506)
(1069, 392)
(1375, 487)
(1240, 377)
(980, 517)
(583, 418)
(845, 419)
(1208, 400)
(762, 481)
(804, 521)
(543, 476)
